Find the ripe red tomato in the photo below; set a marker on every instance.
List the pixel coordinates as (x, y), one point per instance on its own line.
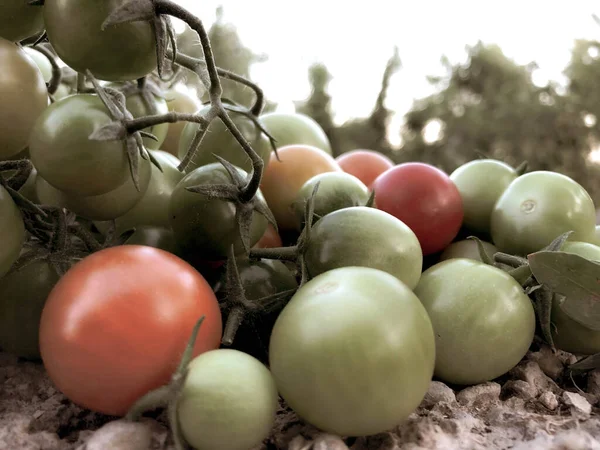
(115, 326)
(425, 199)
(366, 165)
(270, 239)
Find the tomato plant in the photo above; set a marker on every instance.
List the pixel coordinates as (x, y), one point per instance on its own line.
(295, 129)
(228, 401)
(179, 99)
(24, 97)
(114, 327)
(483, 321)
(467, 249)
(118, 53)
(361, 236)
(19, 20)
(12, 231)
(424, 198)
(536, 208)
(283, 178)
(67, 158)
(481, 183)
(353, 351)
(366, 165)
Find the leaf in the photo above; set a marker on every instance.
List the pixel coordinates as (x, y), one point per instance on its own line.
(575, 277)
(487, 259)
(588, 363)
(132, 11)
(543, 308)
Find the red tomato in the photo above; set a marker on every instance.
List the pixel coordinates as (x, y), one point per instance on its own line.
(366, 165)
(425, 199)
(270, 239)
(115, 326)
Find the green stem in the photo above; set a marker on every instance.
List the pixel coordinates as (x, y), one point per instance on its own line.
(234, 320)
(280, 253)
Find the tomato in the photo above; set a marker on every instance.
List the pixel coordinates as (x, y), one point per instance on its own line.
(41, 61)
(483, 321)
(106, 206)
(23, 294)
(219, 140)
(270, 239)
(367, 237)
(283, 179)
(568, 334)
(24, 97)
(366, 165)
(467, 249)
(295, 129)
(153, 207)
(336, 190)
(481, 183)
(156, 237)
(115, 326)
(119, 53)
(65, 157)
(353, 352)
(424, 198)
(208, 227)
(538, 207)
(209, 410)
(18, 20)
(12, 230)
(179, 99)
(597, 235)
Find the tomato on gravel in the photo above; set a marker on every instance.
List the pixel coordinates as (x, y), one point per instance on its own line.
(353, 351)
(538, 207)
(482, 319)
(12, 230)
(295, 129)
(115, 326)
(366, 165)
(425, 199)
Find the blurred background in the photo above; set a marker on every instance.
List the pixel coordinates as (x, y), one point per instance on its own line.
(433, 81)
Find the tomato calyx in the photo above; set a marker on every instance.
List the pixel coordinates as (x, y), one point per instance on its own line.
(20, 171)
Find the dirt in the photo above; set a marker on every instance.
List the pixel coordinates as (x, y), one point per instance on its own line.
(535, 406)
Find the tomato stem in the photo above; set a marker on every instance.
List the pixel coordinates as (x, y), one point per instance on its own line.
(510, 260)
(234, 320)
(141, 123)
(54, 82)
(280, 253)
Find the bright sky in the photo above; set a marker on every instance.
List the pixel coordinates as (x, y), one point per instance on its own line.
(355, 40)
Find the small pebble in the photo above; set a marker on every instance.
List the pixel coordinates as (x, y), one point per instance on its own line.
(520, 389)
(531, 372)
(548, 400)
(121, 435)
(577, 402)
(329, 442)
(438, 392)
(549, 362)
(481, 393)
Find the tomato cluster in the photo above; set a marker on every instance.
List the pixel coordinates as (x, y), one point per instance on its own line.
(129, 210)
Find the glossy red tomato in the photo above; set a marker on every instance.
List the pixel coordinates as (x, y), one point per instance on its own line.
(425, 199)
(366, 165)
(115, 326)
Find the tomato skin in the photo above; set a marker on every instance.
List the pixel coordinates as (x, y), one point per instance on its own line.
(23, 294)
(366, 165)
(119, 53)
(538, 207)
(467, 249)
(295, 129)
(219, 140)
(209, 412)
(12, 230)
(137, 107)
(41, 61)
(65, 157)
(24, 97)
(270, 239)
(568, 334)
(366, 237)
(483, 321)
(353, 351)
(424, 198)
(208, 227)
(283, 178)
(179, 99)
(481, 183)
(140, 300)
(18, 20)
(156, 237)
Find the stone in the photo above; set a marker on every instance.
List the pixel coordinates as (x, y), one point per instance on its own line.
(548, 400)
(121, 435)
(438, 392)
(480, 394)
(577, 403)
(520, 389)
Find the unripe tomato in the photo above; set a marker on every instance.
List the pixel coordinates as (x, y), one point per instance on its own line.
(366, 165)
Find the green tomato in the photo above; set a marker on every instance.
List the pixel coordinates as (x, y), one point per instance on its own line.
(228, 401)
(483, 321)
(538, 207)
(19, 20)
(67, 158)
(23, 294)
(467, 249)
(119, 53)
(568, 334)
(219, 140)
(23, 97)
(157, 237)
(208, 227)
(41, 61)
(481, 183)
(106, 206)
(12, 230)
(337, 190)
(353, 351)
(180, 99)
(295, 128)
(366, 237)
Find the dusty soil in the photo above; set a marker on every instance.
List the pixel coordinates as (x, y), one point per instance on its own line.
(535, 406)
